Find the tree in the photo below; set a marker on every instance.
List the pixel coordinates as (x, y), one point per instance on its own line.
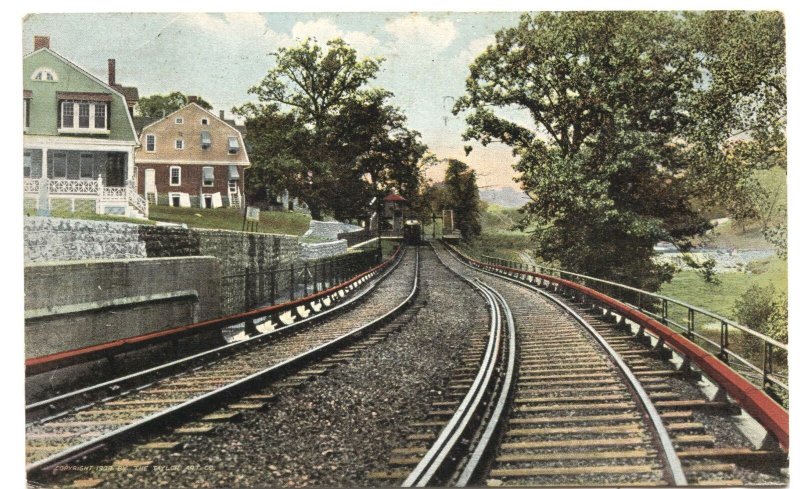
(609, 156)
(462, 196)
(340, 142)
(740, 114)
(161, 105)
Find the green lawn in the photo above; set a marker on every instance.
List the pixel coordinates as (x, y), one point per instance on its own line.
(689, 286)
(91, 216)
(273, 222)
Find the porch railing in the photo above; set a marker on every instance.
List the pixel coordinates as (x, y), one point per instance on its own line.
(94, 187)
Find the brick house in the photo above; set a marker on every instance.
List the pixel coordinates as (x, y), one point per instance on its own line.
(192, 158)
(78, 138)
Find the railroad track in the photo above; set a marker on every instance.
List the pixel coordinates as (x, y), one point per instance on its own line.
(587, 404)
(222, 378)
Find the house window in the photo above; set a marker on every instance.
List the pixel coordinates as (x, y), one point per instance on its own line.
(208, 176)
(233, 145)
(179, 120)
(204, 122)
(91, 115)
(44, 74)
(59, 165)
(100, 116)
(150, 142)
(26, 112)
(87, 165)
(26, 164)
(205, 139)
(179, 144)
(174, 175)
(67, 114)
(83, 116)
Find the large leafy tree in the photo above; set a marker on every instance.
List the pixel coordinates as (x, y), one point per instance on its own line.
(160, 105)
(320, 132)
(608, 155)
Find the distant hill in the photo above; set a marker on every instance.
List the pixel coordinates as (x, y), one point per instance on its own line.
(504, 196)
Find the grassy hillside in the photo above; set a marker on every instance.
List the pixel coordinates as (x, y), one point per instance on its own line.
(231, 219)
(689, 286)
(222, 218)
(497, 238)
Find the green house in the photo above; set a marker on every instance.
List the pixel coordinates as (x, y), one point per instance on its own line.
(79, 138)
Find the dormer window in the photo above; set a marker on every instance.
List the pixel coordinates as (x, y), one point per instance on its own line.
(84, 115)
(44, 74)
(233, 145)
(205, 139)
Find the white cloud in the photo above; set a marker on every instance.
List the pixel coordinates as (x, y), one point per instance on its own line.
(324, 30)
(236, 28)
(415, 32)
(475, 47)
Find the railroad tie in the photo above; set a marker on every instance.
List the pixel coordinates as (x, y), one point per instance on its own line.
(162, 445)
(130, 463)
(194, 429)
(222, 417)
(553, 457)
(86, 483)
(580, 470)
(387, 474)
(590, 442)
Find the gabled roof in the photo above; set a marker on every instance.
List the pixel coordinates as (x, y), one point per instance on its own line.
(131, 94)
(87, 74)
(140, 122)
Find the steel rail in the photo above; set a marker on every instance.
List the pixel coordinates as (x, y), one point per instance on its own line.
(490, 431)
(435, 460)
(773, 417)
(232, 388)
(45, 363)
(672, 462)
(205, 357)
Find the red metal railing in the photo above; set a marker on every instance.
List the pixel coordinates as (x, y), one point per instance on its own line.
(756, 402)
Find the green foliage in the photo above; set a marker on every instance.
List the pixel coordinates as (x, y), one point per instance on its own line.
(462, 196)
(161, 105)
(321, 134)
(619, 143)
(764, 310)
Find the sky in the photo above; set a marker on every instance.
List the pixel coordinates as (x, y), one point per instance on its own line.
(219, 56)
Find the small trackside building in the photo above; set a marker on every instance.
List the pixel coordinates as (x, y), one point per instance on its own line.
(79, 139)
(192, 158)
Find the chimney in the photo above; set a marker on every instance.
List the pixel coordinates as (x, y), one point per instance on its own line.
(40, 42)
(112, 72)
(222, 114)
(192, 99)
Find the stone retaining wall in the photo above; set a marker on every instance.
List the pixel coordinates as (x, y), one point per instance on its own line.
(49, 239)
(318, 251)
(328, 230)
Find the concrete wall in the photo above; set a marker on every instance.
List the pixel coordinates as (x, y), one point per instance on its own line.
(317, 251)
(255, 254)
(85, 302)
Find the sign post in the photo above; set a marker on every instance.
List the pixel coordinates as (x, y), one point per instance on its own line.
(251, 219)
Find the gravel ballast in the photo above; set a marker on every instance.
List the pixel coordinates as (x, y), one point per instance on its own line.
(338, 427)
